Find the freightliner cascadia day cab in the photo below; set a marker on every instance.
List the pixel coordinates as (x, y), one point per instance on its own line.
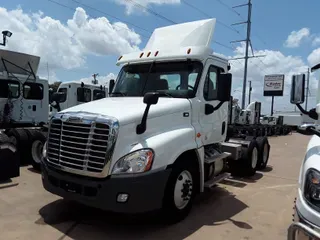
(306, 217)
(159, 138)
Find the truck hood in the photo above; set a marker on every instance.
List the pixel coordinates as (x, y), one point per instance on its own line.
(130, 109)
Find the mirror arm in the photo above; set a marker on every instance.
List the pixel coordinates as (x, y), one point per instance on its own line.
(313, 131)
(218, 106)
(312, 113)
(141, 128)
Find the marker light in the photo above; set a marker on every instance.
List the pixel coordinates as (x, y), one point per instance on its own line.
(148, 54)
(141, 55)
(156, 53)
(189, 51)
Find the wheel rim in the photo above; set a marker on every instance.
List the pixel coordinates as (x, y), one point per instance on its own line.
(265, 153)
(254, 157)
(13, 139)
(183, 189)
(37, 148)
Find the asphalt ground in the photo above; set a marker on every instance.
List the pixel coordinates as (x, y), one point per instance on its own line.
(250, 208)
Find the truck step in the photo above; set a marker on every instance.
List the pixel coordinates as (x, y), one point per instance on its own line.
(216, 157)
(210, 183)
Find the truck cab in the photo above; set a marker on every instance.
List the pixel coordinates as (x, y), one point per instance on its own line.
(159, 138)
(23, 95)
(75, 93)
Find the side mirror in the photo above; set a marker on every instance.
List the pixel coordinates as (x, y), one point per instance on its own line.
(224, 85)
(297, 89)
(151, 98)
(111, 85)
(58, 97)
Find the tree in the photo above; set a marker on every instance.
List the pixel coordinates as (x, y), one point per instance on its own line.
(54, 86)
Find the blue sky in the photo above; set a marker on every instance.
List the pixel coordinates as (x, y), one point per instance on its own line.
(272, 23)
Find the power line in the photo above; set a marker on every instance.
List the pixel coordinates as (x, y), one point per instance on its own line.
(229, 8)
(151, 11)
(108, 14)
(73, 9)
(207, 15)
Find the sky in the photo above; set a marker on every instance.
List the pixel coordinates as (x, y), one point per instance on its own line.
(77, 38)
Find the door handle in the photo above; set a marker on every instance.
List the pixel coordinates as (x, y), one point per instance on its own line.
(34, 108)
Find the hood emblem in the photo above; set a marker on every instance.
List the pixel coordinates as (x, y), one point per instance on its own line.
(74, 119)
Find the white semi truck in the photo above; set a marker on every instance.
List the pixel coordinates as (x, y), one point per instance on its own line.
(306, 217)
(24, 108)
(159, 139)
(73, 93)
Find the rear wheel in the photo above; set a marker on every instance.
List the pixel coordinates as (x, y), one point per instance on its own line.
(264, 150)
(180, 192)
(249, 161)
(20, 138)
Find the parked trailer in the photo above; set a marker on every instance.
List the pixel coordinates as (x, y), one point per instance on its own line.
(248, 122)
(162, 140)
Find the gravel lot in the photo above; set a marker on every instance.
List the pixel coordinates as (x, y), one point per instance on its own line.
(256, 208)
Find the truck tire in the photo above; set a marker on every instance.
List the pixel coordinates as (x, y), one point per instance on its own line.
(38, 140)
(20, 138)
(249, 162)
(4, 138)
(9, 159)
(264, 150)
(179, 193)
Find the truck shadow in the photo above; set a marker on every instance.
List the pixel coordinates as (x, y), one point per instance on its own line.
(214, 207)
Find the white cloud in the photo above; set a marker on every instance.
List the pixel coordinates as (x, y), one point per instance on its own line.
(295, 37)
(314, 57)
(275, 62)
(66, 45)
(316, 41)
(139, 5)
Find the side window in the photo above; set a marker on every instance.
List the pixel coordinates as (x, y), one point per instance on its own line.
(83, 94)
(210, 84)
(63, 90)
(98, 94)
(9, 88)
(33, 91)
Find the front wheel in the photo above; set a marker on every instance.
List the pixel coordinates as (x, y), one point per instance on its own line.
(179, 193)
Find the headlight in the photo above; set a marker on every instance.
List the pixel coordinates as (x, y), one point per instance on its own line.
(135, 162)
(312, 188)
(44, 150)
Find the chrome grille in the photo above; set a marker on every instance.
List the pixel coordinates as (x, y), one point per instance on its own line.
(84, 146)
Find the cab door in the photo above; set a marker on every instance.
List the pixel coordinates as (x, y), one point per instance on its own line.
(35, 106)
(213, 124)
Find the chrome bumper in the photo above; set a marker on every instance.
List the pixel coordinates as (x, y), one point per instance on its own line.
(303, 229)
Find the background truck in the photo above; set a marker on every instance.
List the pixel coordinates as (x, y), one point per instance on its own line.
(73, 93)
(159, 139)
(306, 218)
(24, 109)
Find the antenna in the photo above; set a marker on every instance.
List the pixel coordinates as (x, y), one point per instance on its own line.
(95, 81)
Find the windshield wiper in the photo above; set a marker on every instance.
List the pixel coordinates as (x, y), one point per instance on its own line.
(119, 93)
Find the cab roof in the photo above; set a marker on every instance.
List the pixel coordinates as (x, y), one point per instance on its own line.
(189, 40)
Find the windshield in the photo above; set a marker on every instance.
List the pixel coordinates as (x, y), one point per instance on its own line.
(173, 79)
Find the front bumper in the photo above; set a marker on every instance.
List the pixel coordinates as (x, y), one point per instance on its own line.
(145, 190)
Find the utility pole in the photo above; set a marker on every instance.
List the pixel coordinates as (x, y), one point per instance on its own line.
(307, 95)
(248, 42)
(250, 89)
